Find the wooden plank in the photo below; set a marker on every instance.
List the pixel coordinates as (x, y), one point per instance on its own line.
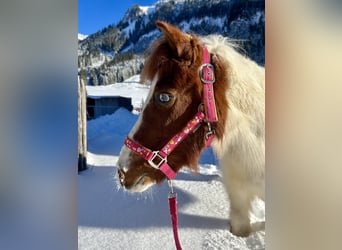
(82, 126)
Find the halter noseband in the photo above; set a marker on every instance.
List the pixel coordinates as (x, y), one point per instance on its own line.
(158, 159)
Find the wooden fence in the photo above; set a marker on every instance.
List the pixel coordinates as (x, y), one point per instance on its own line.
(82, 126)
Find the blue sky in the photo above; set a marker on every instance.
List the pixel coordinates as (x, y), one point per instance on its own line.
(94, 15)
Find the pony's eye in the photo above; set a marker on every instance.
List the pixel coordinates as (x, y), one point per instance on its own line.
(164, 98)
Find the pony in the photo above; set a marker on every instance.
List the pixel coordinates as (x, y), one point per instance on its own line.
(172, 67)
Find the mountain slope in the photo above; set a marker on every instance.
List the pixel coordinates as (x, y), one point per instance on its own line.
(81, 36)
(103, 55)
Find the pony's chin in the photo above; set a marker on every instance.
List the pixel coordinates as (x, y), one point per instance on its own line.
(142, 184)
(141, 188)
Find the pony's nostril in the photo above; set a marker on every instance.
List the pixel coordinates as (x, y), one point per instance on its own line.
(121, 177)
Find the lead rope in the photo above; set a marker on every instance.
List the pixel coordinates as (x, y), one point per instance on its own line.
(174, 214)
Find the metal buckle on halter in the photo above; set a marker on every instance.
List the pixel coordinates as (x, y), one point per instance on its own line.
(210, 66)
(160, 160)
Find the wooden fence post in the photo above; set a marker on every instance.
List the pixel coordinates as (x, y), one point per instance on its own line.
(82, 126)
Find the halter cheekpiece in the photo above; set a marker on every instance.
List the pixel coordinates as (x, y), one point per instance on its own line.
(158, 159)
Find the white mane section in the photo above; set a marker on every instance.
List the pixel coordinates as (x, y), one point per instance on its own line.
(243, 144)
(242, 149)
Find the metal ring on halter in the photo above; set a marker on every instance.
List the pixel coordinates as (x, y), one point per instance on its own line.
(211, 67)
(200, 107)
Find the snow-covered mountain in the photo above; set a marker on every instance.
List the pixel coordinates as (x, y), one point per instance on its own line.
(113, 54)
(81, 36)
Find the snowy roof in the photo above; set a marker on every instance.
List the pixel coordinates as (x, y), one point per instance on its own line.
(131, 88)
(112, 90)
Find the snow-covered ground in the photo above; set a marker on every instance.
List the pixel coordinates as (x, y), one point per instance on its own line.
(111, 218)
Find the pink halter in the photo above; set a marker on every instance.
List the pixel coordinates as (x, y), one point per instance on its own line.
(158, 159)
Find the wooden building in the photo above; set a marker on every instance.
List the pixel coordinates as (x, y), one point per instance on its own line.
(105, 100)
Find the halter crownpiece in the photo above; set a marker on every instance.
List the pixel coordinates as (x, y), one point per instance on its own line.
(207, 76)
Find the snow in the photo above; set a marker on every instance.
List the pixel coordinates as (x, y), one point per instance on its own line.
(176, 1)
(256, 18)
(147, 9)
(130, 27)
(112, 218)
(152, 33)
(218, 21)
(98, 61)
(128, 48)
(81, 36)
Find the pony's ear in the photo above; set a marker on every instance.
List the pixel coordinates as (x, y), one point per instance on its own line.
(177, 40)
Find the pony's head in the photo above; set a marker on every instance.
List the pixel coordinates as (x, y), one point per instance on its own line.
(175, 96)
